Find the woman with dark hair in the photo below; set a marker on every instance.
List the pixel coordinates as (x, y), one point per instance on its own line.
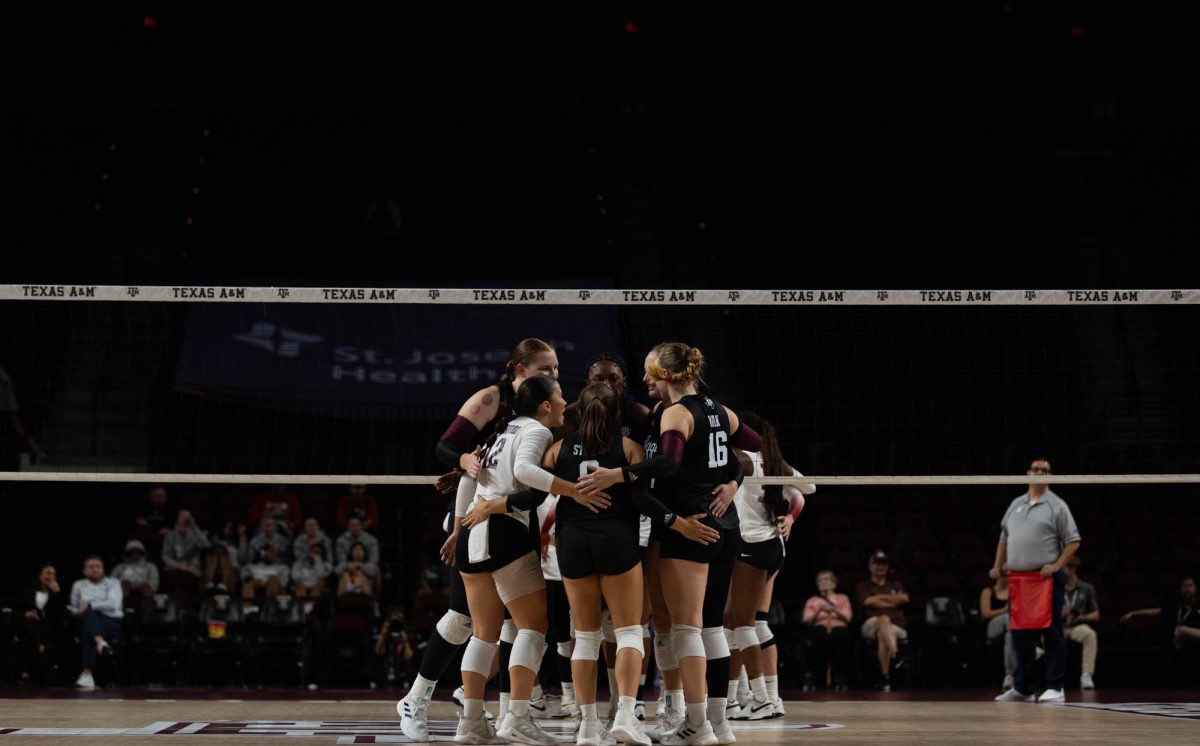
(610, 368)
(356, 573)
(766, 517)
(459, 449)
(599, 557)
(696, 435)
(42, 607)
(499, 563)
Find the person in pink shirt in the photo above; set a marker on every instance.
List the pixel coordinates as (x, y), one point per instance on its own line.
(827, 615)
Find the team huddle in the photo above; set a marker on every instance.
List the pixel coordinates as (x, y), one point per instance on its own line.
(649, 525)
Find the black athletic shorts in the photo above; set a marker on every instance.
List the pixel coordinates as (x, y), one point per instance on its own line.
(675, 546)
(587, 548)
(508, 541)
(765, 555)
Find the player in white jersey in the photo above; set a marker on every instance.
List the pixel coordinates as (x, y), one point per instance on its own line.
(500, 564)
(459, 449)
(767, 514)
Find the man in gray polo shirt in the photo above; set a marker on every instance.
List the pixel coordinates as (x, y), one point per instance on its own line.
(1038, 533)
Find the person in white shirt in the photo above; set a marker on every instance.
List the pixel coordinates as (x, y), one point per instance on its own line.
(269, 574)
(500, 563)
(97, 601)
(137, 575)
(767, 515)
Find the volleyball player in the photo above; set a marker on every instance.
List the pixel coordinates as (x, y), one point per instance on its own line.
(458, 448)
(500, 564)
(609, 368)
(696, 434)
(766, 515)
(558, 610)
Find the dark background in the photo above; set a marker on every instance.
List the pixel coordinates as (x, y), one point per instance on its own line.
(981, 143)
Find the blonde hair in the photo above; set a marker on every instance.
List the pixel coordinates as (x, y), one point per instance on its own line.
(677, 363)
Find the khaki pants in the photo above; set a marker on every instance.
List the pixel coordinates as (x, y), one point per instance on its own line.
(1085, 636)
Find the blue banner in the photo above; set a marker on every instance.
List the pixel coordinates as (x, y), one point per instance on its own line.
(375, 360)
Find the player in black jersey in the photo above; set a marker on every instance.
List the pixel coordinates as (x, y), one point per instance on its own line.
(609, 368)
(696, 436)
(671, 709)
(599, 554)
(458, 448)
(606, 367)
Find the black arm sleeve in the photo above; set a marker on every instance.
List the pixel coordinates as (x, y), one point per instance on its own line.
(447, 453)
(527, 499)
(650, 505)
(736, 472)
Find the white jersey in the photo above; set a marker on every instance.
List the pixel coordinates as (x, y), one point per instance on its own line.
(757, 521)
(513, 462)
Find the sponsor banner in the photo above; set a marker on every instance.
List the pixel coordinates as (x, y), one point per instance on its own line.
(607, 297)
(367, 361)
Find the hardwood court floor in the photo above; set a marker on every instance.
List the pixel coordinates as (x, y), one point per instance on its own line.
(928, 717)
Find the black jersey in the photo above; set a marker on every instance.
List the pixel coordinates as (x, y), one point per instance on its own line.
(572, 464)
(707, 458)
(658, 487)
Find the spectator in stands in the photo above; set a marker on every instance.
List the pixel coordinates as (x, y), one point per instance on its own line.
(312, 535)
(357, 573)
(137, 575)
(15, 439)
(993, 609)
(310, 572)
(278, 504)
(268, 536)
(155, 517)
(828, 615)
(1183, 616)
(881, 601)
(97, 601)
(42, 607)
(1081, 607)
(182, 551)
(360, 503)
(268, 574)
(1037, 534)
(355, 533)
(394, 646)
(228, 553)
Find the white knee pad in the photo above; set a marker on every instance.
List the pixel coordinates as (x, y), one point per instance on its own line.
(746, 637)
(454, 628)
(630, 637)
(764, 631)
(528, 650)
(731, 640)
(564, 648)
(687, 641)
(715, 646)
(664, 652)
(606, 627)
(478, 656)
(587, 645)
(508, 631)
